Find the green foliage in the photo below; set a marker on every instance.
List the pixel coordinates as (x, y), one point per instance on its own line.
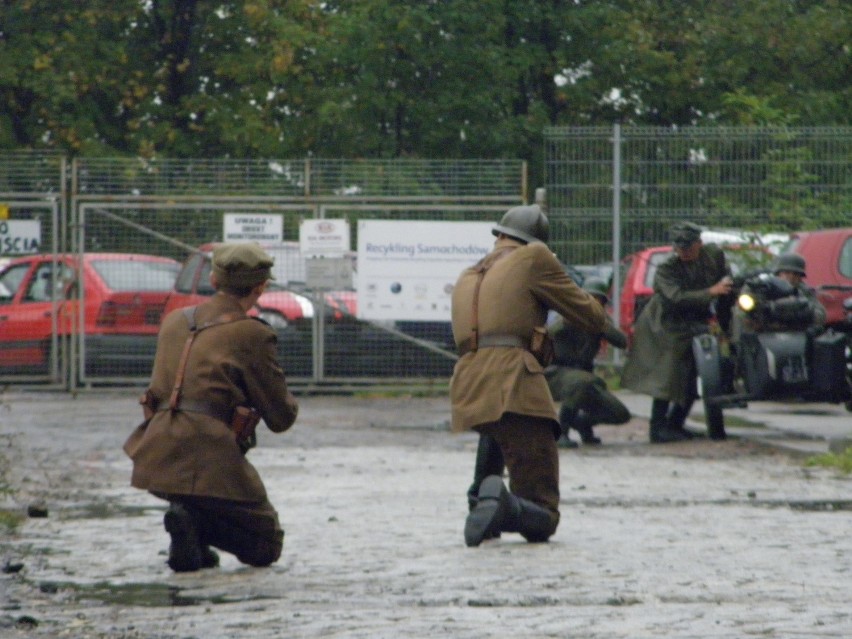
(840, 461)
(397, 79)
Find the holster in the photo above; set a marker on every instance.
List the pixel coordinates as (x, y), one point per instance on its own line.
(541, 346)
(243, 423)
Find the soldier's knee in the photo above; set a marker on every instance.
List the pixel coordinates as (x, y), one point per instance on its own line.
(263, 552)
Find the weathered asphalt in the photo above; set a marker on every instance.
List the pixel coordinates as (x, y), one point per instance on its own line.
(695, 540)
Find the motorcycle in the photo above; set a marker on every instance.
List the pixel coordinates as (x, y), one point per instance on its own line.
(776, 353)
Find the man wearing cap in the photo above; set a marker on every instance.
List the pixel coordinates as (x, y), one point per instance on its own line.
(586, 401)
(498, 387)
(187, 453)
(689, 288)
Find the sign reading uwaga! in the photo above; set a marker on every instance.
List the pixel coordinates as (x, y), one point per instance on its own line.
(253, 227)
(20, 237)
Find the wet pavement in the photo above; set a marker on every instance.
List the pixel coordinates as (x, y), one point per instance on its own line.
(691, 540)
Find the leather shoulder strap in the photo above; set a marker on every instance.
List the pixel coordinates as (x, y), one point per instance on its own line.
(194, 330)
(481, 268)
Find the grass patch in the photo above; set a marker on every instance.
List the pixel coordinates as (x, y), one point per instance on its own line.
(838, 461)
(10, 520)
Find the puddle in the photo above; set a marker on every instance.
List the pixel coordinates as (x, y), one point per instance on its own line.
(106, 510)
(135, 594)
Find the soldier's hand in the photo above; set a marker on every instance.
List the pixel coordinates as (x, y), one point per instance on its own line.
(722, 287)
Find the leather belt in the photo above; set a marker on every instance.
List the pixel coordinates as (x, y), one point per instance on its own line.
(490, 341)
(198, 406)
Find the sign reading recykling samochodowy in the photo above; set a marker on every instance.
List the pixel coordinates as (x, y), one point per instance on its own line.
(20, 237)
(407, 269)
(253, 227)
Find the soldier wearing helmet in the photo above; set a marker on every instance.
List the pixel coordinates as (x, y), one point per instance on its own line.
(789, 267)
(498, 387)
(586, 401)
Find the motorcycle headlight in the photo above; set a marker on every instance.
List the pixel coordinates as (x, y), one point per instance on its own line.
(746, 302)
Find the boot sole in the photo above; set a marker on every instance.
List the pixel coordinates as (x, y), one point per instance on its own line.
(485, 519)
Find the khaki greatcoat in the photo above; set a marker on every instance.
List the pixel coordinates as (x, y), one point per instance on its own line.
(229, 365)
(514, 297)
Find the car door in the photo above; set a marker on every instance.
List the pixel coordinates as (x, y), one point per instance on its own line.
(36, 290)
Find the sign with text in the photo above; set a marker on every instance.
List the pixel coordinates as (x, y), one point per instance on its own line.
(407, 269)
(20, 237)
(328, 273)
(253, 227)
(324, 238)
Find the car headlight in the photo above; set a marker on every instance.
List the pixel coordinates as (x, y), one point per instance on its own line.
(746, 302)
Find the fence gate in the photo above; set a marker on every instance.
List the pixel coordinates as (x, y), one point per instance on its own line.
(35, 316)
(174, 212)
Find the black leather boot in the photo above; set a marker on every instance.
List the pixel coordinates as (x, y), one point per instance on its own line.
(489, 461)
(658, 426)
(583, 424)
(566, 415)
(486, 518)
(185, 551)
(528, 518)
(676, 419)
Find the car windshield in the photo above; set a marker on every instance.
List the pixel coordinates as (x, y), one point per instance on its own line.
(137, 275)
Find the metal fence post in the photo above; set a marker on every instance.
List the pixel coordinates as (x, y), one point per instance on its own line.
(616, 231)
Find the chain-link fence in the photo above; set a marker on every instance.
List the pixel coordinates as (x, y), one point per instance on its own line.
(610, 192)
(613, 191)
(137, 245)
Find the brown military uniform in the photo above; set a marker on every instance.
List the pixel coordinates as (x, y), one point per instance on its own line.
(192, 456)
(501, 390)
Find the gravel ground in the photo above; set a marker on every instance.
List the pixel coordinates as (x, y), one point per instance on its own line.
(698, 539)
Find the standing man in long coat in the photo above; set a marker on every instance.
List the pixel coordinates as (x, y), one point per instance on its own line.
(661, 363)
(187, 452)
(498, 386)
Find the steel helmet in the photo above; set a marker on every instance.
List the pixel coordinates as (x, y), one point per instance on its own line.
(525, 223)
(790, 262)
(597, 287)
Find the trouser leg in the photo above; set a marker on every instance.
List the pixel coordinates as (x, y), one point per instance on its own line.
(248, 530)
(531, 505)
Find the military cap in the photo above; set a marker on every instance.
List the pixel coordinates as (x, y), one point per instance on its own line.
(790, 262)
(683, 234)
(241, 265)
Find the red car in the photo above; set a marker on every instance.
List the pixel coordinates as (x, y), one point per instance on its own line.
(641, 267)
(828, 256)
(123, 294)
(280, 306)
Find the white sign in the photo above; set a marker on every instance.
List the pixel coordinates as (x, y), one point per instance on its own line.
(407, 270)
(324, 238)
(253, 227)
(328, 273)
(20, 237)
